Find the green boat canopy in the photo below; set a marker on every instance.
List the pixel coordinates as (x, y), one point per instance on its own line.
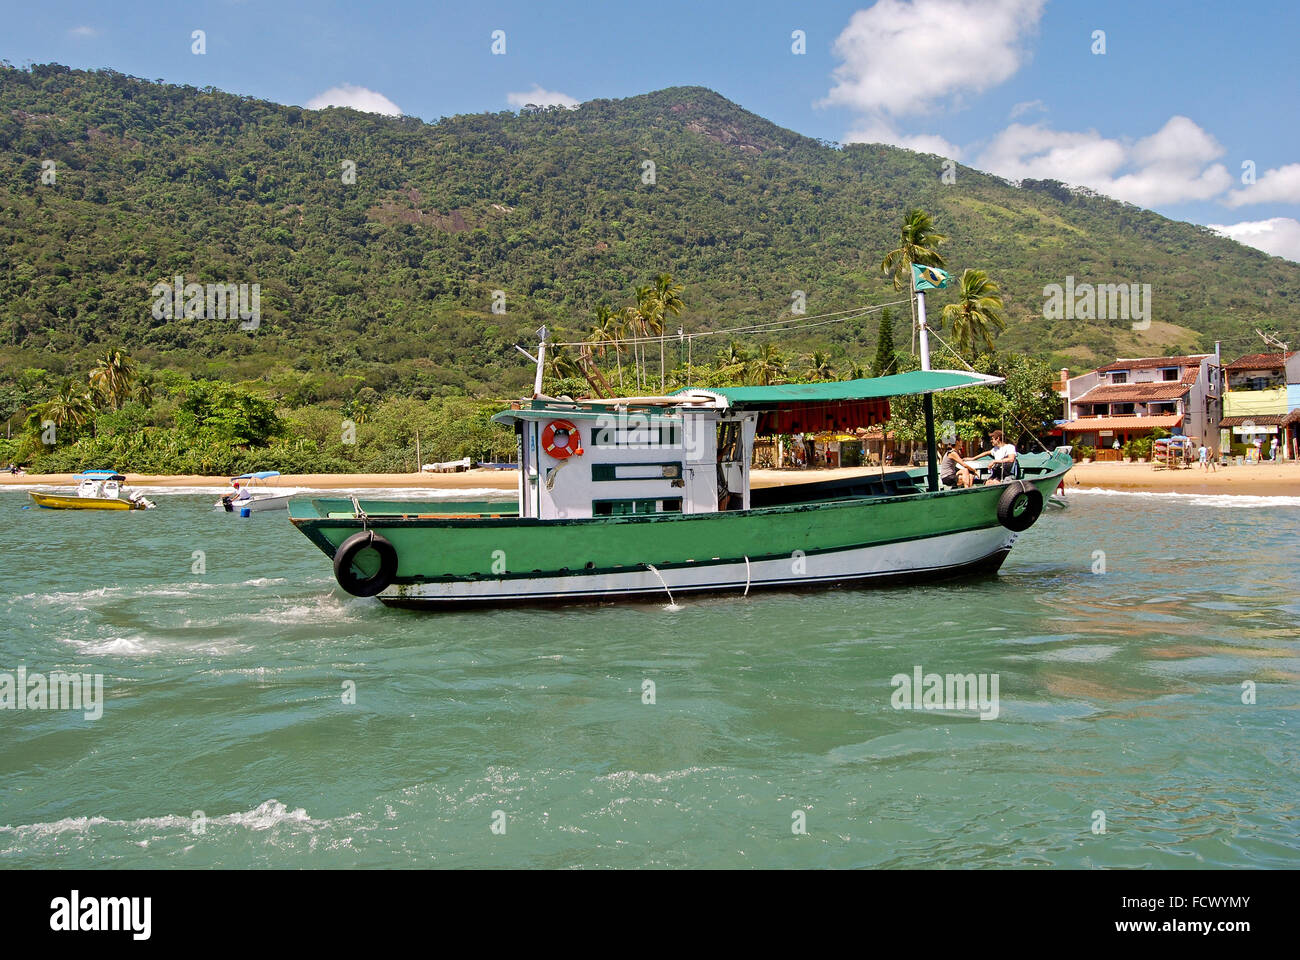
(870, 388)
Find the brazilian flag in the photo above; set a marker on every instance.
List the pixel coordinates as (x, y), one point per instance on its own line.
(928, 278)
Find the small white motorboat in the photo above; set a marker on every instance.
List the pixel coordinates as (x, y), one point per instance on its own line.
(245, 496)
(96, 490)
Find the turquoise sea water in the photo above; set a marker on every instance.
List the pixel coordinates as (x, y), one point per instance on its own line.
(1119, 691)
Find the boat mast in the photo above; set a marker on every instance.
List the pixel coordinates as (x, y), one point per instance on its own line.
(541, 361)
(927, 399)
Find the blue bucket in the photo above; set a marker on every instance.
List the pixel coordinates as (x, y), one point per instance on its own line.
(245, 511)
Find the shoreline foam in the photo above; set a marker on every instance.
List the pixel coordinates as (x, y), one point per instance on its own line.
(1266, 479)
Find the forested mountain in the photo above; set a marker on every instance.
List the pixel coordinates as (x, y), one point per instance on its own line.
(389, 280)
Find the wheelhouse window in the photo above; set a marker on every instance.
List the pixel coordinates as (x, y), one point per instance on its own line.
(633, 432)
(626, 508)
(601, 472)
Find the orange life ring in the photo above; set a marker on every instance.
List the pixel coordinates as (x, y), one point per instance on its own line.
(571, 444)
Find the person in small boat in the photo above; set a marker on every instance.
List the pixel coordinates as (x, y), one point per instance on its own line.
(953, 470)
(242, 493)
(1004, 458)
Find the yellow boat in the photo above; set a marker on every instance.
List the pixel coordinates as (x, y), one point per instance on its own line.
(55, 501)
(97, 490)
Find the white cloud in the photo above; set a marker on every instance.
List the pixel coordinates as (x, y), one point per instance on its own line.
(903, 56)
(900, 58)
(1279, 236)
(1020, 109)
(358, 98)
(541, 98)
(880, 131)
(1172, 165)
(84, 31)
(1022, 152)
(1275, 186)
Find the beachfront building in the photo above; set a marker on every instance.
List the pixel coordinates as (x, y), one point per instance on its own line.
(1132, 398)
(1262, 399)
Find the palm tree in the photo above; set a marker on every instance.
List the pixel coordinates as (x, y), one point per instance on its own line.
(819, 366)
(648, 316)
(113, 377)
(561, 363)
(732, 362)
(605, 331)
(976, 313)
(767, 367)
(732, 354)
(146, 386)
(70, 407)
(668, 293)
(918, 242)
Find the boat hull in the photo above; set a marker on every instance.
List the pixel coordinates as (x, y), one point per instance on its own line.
(447, 560)
(54, 501)
(256, 504)
(946, 557)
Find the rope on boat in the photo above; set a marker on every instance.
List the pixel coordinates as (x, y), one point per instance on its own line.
(746, 593)
(963, 362)
(358, 512)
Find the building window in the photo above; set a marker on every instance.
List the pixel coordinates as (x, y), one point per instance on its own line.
(1119, 376)
(1170, 374)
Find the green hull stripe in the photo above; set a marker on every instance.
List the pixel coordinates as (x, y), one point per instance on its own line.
(441, 550)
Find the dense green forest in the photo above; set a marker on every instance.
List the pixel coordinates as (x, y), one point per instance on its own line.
(380, 245)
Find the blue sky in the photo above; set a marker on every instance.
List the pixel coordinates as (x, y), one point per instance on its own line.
(1184, 94)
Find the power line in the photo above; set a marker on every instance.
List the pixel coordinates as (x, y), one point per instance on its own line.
(785, 324)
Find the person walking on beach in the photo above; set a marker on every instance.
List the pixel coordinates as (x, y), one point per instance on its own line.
(1203, 454)
(1272, 449)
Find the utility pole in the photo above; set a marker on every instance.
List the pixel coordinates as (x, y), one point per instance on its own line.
(1272, 341)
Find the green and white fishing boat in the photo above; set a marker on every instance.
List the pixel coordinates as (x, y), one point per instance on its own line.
(643, 497)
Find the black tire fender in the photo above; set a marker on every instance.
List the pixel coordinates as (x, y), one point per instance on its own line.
(348, 578)
(1020, 505)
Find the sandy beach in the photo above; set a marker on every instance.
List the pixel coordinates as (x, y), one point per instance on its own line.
(1266, 479)
(1247, 479)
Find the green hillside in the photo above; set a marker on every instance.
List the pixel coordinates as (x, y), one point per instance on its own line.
(389, 281)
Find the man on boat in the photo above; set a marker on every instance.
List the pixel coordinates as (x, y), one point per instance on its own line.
(1004, 459)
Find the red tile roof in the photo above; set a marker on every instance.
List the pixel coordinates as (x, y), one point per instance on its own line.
(1261, 361)
(1134, 392)
(1261, 420)
(1127, 424)
(1144, 363)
